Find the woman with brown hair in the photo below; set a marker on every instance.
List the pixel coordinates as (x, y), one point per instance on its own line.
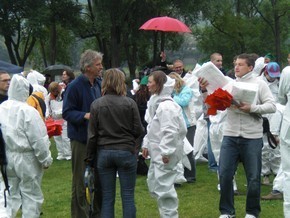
(114, 126)
(166, 131)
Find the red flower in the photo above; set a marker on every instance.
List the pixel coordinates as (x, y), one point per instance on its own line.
(219, 100)
(54, 127)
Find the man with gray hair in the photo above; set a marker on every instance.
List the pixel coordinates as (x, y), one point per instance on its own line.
(79, 95)
(4, 85)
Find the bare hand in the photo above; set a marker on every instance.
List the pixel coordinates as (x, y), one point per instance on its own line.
(245, 107)
(165, 159)
(203, 83)
(163, 56)
(145, 153)
(87, 116)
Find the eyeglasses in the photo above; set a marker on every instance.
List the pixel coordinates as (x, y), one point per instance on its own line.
(5, 80)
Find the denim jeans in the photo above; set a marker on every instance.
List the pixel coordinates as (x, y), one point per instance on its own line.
(248, 151)
(109, 162)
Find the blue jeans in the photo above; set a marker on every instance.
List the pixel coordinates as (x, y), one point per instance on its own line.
(109, 162)
(248, 151)
(212, 164)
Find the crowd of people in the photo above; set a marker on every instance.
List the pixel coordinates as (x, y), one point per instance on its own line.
(165, 118)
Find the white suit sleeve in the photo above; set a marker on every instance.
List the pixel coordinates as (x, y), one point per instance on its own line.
(169, 127)
(37, 137)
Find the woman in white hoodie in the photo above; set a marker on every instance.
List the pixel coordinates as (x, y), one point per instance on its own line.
(164, 142)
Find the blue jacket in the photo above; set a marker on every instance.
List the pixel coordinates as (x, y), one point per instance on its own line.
(183, 99)
(77, 101)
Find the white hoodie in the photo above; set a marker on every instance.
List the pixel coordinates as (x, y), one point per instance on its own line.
(22, 127)
(166, 128)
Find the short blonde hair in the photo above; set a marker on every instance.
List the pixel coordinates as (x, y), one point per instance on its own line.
(114, 82)
(179, 82)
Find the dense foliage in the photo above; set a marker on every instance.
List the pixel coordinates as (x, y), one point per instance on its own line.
(45, 32)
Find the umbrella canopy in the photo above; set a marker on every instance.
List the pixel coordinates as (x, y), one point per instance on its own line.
(165, 24)
(10, 68)
(56, 69)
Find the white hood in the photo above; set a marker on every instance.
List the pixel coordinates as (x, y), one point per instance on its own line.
(155, 99)
(18, 89)
(36, 78)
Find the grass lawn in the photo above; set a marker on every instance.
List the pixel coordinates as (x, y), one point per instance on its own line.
(198, 200)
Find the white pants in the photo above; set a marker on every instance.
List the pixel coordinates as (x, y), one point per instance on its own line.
(200, 139)
(271, 158)
(161, 185)
(63, 143)
(180, 174)
(285, 154)
(279, 180)
(24, 174)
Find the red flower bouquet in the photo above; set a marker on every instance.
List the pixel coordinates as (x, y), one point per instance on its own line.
(219, 100)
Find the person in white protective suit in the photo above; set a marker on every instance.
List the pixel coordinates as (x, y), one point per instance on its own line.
(27, 150)
(271, 158)
(283, 97)
(37, 80)
(166, 131)
(54, 104)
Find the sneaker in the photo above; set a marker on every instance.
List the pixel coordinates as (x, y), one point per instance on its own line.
(219, 187)
(249, 216)
(227, 216)
(266, 181)
(273, 196)
(60, 157)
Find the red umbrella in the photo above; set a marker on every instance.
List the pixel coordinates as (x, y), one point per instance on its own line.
(165, 24)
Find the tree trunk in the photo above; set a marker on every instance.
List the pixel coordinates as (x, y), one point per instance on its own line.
(8, 43)
(53, 43)
(115, 60)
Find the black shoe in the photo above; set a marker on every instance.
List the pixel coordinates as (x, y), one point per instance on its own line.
(177, 185)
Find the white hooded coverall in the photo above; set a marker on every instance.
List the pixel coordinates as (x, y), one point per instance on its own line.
(165, 133)
(27, 150)
(54, 109)
(283, 97)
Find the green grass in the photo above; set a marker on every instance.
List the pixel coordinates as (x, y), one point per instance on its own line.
(198, 200)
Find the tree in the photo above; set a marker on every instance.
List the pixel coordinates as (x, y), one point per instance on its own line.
(235, 26)
(19, 26)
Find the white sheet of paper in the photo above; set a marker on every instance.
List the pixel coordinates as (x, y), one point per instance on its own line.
(213, 75)
(242, 91)
(245, 92)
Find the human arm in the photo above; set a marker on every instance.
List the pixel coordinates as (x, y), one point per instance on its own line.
(138, 128)
(72, 104)
(36, 134)
(265, 102)
(92, 135)
(284, 86)
(184, 97)
(169, 128)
